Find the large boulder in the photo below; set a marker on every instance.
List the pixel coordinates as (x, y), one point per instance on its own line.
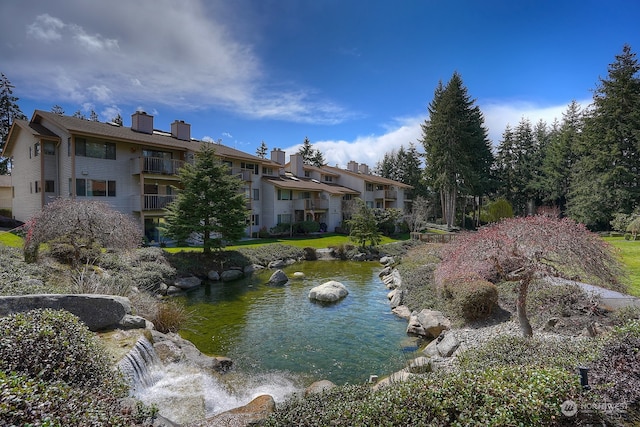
(230, 275)
(98, 312)
(396, 298)
(330, 291)
(186, 283)
(278, 263)
(278, 278)
(253, 413)
(433, 322)
(319, 387)
(402, 311)
(213, 275)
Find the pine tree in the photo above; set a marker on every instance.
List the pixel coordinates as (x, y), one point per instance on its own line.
(262, 150)
(9, 111)
(210, 203)
(605, 178)
(93, 116)
(56, 109)
(311, 156)
(457, 150)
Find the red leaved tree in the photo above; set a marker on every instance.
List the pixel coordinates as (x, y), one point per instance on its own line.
(79, 229)
(520, 249)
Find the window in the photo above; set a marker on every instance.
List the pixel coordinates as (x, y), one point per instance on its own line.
(30, 153)
(255, 219)
(370, 205)
(36, 149)
(305, 195)
(95, 188)
(369, 186)
(256, 194)
(250, 166)
(37, 186)
(379, 187)
(328, 178)
(49, 148)
(284, 218)
(284, 194)
(347, 197)
(307, 174)
(49, 186)
(95, 149)
(267, 171)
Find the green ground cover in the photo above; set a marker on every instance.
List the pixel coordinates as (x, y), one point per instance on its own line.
(10, 239)
(630, 255)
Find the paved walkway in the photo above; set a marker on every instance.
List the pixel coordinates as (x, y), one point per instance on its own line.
(609, 298)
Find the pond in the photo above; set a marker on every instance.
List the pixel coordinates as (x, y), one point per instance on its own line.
(267, 329)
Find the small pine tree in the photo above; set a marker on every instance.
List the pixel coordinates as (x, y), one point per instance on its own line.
(364, 225)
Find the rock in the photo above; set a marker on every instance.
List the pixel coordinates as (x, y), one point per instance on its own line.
(594, 329)
(550, 324)
(420, 365)
(298, 275)
(277, 264)
(230, 275)
(222, 364)
(192, 355)
(387, 260)
(448, 344)
(393, 280)
(132, 322)
(402, 311)
(250, 269)
(397, 298)
(414, 327)
(186, 283)
(396, 377)
(172, 290)
(319, 387)
(330, 291)
(253, 413)
(431, 349)
(278, 278)
(168, 351)
(213, 275)
(385, 271)
(433, 322)
(359, 257)
(98, 312)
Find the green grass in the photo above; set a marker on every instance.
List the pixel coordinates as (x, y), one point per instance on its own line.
(9, 239)
(630, 255)
(316, 241)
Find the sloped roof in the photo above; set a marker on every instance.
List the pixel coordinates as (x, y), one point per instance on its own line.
(370, 178)
(306, 184)
(109, 131)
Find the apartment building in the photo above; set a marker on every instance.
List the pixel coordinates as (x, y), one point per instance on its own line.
(135, 170)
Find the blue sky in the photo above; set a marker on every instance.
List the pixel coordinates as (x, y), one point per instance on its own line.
(354, 76)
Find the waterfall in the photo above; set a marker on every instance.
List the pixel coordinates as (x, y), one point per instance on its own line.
(185, 393)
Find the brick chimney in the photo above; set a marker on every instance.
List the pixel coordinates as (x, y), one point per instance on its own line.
(352, 166)
(278, 156)
(181, 130)
(142, 122)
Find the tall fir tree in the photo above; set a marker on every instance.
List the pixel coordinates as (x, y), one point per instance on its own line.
(262, 150)
(605, 178)
(310, 155)
(210, 203)
(454, 137)
(9, 111)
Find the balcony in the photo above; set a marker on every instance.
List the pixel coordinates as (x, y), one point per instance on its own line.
(155, 165)
(154, 202)
(386, 194)
(311, 204)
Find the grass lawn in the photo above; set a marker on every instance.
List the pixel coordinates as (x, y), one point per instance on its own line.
(9, 239)
(316, 241)
(630, 255)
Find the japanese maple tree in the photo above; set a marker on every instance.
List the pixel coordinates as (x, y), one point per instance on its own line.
(521, 249)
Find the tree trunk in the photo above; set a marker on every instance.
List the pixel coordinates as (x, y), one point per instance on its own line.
(521, 307)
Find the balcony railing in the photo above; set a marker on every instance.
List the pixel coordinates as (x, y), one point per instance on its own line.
(154, 202)
(386, 194)
(243, 174)
(156, 165)
(311, 204)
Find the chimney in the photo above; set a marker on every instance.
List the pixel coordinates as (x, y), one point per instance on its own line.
(296, 164)
(352, 166)
(363, 169)
(181, 130)
(277, 155)
(142, 122)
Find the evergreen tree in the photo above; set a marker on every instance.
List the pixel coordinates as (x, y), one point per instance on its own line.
(409, 164)
(457, 150)
(364, 225)
(387, 167)
(79, 115)
(93, 116)
(9, 111)
(56, 109)
(262, 150)
(605, 178)
(117, 120)
(210, 203)
(311, 156)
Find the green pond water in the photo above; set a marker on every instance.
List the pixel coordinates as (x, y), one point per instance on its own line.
(266, 328)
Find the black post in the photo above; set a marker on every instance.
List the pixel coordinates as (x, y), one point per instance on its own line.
(584, 377)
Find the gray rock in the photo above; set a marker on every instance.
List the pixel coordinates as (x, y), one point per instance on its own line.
(397, 299)
(172, 290)
(319, 387)
(213, 275)
(96, 311)
(420, 365)
(330, 291)
(433, 322)
(250, 269)
(385, 271)
(279, 263)
(168, 351)
(396, 377)
(298, 275)
(414, 327)
(359, 257)
(402, 311)
(387, 260)
(132, 322)
(230, 275)
(278, 278)
(431, 349)
(186, 283)
(392, 280)
(252, 414)
(448, 344)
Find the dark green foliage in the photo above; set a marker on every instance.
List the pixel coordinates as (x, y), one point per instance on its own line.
(53, 346)
(306, 227)
(263, 255)
(310, 155)
(502, 396)
(364, 225)
(404, 165)
(210, 203)
(498, 210)
(284, 228)
(19, 278)
(9, 111)
(470, 299)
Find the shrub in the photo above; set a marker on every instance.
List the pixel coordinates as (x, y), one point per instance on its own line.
(263, 255)
(280, 229)
(470, 298)
(306, 227)
(170, 316)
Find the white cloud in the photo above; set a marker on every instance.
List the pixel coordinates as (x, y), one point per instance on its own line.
(45, 28)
